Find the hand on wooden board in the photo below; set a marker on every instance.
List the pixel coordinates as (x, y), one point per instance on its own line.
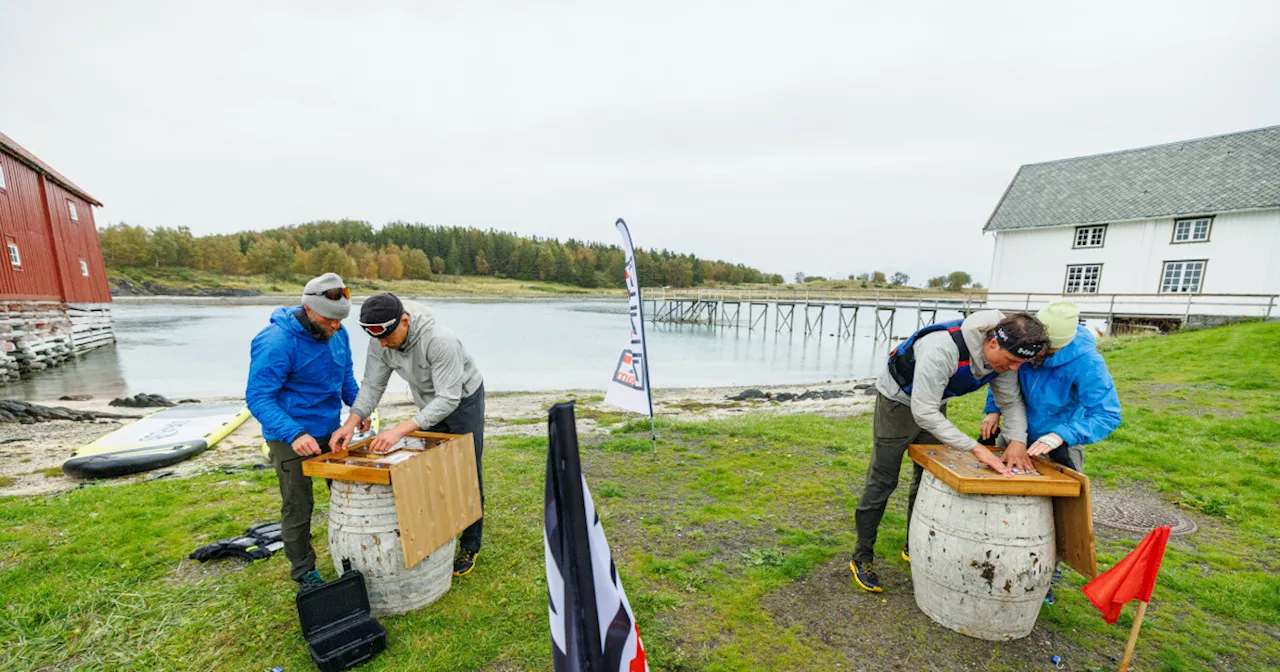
(387, 440)
(1016, 457)
(1045, 444)
(988, 458)
(341, 436)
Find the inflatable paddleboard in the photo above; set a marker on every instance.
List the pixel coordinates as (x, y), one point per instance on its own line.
(158, 440)
(375, 424)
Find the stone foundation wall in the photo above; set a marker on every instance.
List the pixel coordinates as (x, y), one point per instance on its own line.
(36, 335)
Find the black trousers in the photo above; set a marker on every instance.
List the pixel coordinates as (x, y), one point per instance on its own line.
(469, 417)
(296, 504)
(894, 429)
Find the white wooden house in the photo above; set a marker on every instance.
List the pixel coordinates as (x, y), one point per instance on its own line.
(1194, 217)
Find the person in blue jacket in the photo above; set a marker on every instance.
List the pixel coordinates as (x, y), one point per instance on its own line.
(1070, 398)
(300, 375)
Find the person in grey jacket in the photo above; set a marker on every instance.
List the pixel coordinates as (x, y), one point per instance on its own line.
(936, 363)
(443, 379)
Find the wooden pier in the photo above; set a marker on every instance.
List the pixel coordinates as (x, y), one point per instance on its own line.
(806, 309)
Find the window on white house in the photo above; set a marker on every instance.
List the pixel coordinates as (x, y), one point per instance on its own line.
(1083, 279)
(1090, 236)
(1182, 276)
(84, 268)
(15, 257)
(71, 207)
(1192, 230)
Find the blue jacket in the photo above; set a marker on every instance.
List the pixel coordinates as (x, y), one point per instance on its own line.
(1071, 394)
(298, 383)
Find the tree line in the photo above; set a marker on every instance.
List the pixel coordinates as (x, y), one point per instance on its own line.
(954, 281)
(355, 249)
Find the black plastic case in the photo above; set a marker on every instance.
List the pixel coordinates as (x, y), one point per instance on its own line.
(336, 623)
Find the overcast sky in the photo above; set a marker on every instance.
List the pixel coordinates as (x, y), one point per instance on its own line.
(824, 137)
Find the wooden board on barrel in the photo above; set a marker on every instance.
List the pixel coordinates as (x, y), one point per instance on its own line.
(983, 546)
(1072, 504)
(964, 473)
(434, 480)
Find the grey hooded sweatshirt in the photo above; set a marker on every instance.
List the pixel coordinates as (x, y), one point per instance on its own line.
(937, 359)
(432, 360)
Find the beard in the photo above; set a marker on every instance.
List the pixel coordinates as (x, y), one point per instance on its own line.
(320, 332)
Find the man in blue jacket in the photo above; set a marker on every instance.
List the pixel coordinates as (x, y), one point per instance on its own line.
(300, 375)
(1070, 398)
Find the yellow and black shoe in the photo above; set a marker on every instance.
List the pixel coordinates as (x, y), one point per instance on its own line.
(464, 561)
(906, 554)
(865, 576)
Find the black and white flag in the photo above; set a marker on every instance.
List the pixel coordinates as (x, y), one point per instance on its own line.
(592, 626)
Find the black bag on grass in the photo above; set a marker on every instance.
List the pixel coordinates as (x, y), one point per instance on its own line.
(258, 543)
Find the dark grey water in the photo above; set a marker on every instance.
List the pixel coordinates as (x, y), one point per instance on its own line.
(194, 350)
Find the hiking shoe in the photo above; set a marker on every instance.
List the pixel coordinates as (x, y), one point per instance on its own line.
(906, 554)
(865, 577)
(311, 578)
(1049, 597)
(464, 561)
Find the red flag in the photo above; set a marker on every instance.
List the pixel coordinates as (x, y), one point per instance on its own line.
(1132, 578)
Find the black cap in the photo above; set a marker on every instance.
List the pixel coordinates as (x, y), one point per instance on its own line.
(381, 308)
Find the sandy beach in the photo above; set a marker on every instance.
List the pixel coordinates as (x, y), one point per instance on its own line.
(31, 456)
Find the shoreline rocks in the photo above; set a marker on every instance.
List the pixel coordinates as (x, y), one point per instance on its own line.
(27, 414)
(860, 389)
(141, 400)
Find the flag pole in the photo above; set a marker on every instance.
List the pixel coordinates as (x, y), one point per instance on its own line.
(648, 384)
(1133, 636)
(653, 436)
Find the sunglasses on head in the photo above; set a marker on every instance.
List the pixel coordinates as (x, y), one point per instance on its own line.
(380, 329)
(333, 294)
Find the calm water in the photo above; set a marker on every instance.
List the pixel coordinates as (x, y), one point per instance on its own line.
(194, 350)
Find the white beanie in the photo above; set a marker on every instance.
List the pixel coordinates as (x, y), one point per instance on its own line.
(1060, 319)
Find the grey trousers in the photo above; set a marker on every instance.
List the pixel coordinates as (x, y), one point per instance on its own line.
(894, 429)
(296, 504)
(469, 417)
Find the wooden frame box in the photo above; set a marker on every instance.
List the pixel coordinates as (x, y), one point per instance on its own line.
(964, 473)
(433, 477)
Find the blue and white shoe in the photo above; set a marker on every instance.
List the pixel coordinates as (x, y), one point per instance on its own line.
(311, 578)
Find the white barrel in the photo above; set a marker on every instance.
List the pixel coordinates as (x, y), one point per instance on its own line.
(981, 564)
(364, 529)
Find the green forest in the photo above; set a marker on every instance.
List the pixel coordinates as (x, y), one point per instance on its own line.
(400, 250)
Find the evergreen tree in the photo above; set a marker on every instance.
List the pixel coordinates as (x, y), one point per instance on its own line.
(482, 265)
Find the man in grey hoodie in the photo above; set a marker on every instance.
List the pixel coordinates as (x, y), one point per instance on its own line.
(444, 381)
(937, 363)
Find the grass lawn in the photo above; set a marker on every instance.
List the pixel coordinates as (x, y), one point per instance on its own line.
(732, 547)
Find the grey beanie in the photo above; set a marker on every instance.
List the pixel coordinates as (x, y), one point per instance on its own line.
(313, 297)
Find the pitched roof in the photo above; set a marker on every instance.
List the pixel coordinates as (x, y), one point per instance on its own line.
(1224, 173)
(19, 152)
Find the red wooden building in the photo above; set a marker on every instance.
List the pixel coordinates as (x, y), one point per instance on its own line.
(54, 299)
(49, 234)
